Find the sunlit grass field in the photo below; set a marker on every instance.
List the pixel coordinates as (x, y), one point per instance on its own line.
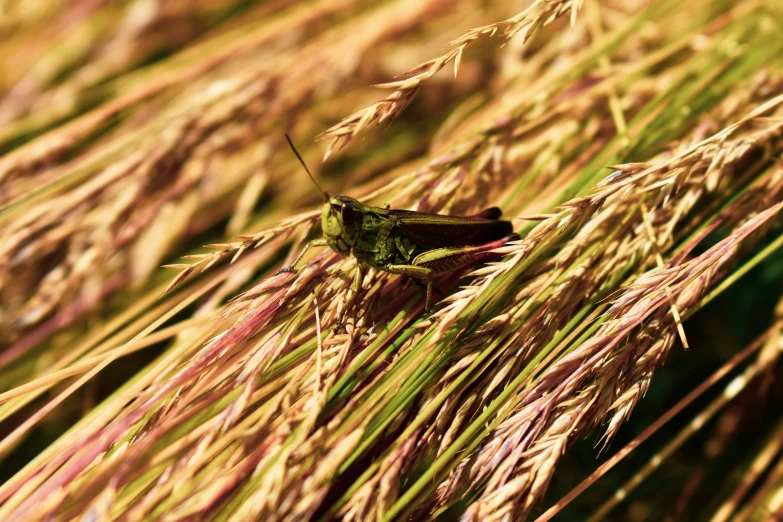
(619, 361)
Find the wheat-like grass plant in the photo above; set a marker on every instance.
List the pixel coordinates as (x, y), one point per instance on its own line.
(636, 149)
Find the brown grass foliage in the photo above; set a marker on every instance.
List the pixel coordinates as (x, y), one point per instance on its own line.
(636, 146)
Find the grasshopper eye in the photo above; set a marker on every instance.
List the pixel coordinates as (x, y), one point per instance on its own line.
(347, 214)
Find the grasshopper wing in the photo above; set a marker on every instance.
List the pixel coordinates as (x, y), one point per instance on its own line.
(438, 230)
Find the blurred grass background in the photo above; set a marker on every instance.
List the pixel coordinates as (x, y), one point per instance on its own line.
(133, 133)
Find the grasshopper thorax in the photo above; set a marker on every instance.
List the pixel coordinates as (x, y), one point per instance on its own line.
(341, 222)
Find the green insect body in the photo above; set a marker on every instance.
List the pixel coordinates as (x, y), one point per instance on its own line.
(419, 245)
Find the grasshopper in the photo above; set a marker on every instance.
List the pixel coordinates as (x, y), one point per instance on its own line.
(419, 245)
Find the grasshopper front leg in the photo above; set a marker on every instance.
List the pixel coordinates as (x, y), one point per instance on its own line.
(313, 243)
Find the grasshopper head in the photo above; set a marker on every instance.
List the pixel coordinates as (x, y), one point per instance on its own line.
(341, 221)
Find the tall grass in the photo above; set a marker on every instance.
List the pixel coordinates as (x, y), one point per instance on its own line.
(636, 147)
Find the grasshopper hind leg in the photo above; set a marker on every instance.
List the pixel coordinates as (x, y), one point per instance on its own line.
(428, 286)
(418, 274)
(441, 261)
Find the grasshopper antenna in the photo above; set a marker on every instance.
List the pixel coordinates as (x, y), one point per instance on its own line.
(291, 143)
